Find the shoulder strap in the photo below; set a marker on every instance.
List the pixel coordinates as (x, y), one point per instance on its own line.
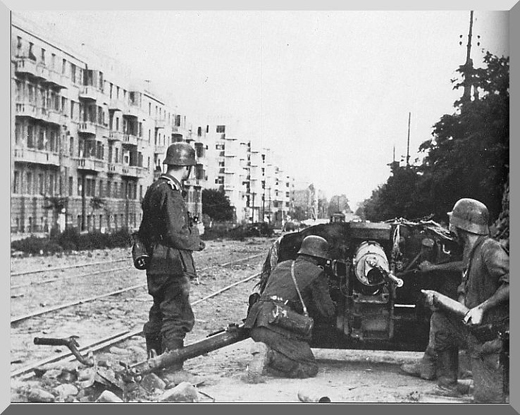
(298, 290)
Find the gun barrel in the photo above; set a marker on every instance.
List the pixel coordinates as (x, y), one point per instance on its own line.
(217, 341)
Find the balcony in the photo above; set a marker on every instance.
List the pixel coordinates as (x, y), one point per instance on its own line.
(90, 164)
(131, 111)
(116, 105)
(26, 66)
(133, 171)
(28, 110)
(115, 136)
(31, 155)
(90, 93)
(193, 182)
(56, 79)
(115, 168)
(160, 123)
(87, 128)
(159, 150)
(130, 140)
(52, 116)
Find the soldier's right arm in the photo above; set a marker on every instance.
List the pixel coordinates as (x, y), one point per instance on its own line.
(321, 296)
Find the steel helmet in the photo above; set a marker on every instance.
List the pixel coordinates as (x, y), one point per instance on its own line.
(315, 246)
(471, 216)
(180, 154)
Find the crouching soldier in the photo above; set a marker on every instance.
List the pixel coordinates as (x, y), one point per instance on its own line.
(279, 322)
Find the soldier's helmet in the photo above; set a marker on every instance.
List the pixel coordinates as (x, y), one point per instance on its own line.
(180, 154)
(315, 246)
(471, 216)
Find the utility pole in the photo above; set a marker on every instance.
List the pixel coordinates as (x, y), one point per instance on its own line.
(469, 63)
(408, 142)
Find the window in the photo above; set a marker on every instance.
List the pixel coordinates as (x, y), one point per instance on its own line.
(43, 55)
(221, 128)
(18, 46)
(108, 193)
(71, 146)
(31, 54)
(63, 66)
(80, 188)
(17, 133)
(51, 184)
(41, 184)
(73, 72)
(30, 138)
(29, 183)
(71, 185)
(16, 182)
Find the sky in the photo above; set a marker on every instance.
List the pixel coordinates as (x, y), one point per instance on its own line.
(330, 92)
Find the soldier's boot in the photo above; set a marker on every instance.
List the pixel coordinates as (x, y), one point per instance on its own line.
(153, 346)
(425, 368)
(259, 363)
(175, 374)
(447, 372)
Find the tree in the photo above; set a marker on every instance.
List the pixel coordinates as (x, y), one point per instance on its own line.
(338, 203)
(58, 205)
(468, 155)
(216, 205)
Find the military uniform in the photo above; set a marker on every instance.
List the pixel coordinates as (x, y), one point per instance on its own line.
(166, 232)
(487, 268)
(290, 353)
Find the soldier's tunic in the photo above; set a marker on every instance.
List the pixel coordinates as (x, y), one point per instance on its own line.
(291, 353)
(166, 231)
(486, 269)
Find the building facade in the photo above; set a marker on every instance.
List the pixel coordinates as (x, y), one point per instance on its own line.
(86, 142)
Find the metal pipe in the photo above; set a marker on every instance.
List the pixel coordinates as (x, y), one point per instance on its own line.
(233, 334)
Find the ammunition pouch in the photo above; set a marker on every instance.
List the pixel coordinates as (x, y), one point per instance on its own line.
(487, 332)
(140, 254)
(282, 316)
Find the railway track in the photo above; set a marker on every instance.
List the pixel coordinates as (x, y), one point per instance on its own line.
(115, 338)
(72, 316)
(96, 297)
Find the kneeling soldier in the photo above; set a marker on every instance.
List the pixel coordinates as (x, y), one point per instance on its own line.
(282, 346)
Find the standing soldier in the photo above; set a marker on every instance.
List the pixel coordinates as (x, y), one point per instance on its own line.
(284, 349)
(485, 292)
(167, 233)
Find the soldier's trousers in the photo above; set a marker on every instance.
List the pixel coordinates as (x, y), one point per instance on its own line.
(170, 316)
(488, 373)
(290, 358)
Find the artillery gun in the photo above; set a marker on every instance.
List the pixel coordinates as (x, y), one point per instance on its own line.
(374, 280)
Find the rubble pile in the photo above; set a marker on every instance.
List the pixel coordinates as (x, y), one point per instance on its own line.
(104, 382)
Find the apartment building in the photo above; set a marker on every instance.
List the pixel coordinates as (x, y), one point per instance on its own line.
(247, 173)
(86, 141)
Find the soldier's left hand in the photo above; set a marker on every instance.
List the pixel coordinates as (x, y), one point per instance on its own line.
(474, 316)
